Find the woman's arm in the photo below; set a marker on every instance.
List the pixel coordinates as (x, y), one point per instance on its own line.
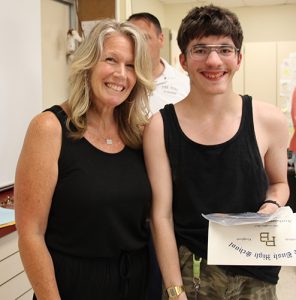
(162, 227)
(36, 177)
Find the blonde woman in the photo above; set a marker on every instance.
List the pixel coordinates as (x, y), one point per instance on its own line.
(81, 189)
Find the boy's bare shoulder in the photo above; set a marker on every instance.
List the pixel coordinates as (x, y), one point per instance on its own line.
(155, 120)
(267, 112)
(270, 116)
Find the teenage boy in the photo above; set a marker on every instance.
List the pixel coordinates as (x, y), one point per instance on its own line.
(214, 151)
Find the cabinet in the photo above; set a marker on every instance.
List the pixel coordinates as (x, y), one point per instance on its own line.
(260, 71)
(14, 283)
(89, 10)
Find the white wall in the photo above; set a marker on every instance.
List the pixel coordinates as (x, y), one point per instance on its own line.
(270, 23)
(20, 78)
(55, 20)
(260, 24)
(154, 7)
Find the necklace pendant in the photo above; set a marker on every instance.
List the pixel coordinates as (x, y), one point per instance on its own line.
(109, 142)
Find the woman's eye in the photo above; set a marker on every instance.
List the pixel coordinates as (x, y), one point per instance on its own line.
(110, 59)
(130, 66)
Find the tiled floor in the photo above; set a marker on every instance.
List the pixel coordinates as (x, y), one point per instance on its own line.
(286, 288)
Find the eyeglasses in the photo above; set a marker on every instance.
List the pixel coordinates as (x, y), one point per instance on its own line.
(201, 52)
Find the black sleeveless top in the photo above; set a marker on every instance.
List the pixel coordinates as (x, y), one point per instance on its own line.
(101, 200)
(226, 178)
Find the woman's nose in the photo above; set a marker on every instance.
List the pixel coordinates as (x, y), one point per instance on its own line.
(120, 70)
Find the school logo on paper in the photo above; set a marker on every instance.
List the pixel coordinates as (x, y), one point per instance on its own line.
(267, 239)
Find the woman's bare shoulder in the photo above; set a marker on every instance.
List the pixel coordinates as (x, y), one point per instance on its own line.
(44, 126)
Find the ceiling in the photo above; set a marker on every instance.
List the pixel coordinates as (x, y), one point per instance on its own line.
(232, 3)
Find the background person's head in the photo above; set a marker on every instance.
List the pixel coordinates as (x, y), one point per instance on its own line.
(209, 21)
(130, 114)
(151, 28)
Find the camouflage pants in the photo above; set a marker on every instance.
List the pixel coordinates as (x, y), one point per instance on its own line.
(217, 285)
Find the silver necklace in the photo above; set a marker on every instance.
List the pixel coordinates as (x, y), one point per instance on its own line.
(109, 141)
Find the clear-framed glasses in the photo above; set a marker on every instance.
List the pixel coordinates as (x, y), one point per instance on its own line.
(201, 52)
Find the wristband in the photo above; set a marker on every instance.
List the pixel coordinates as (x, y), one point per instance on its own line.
(273, 202)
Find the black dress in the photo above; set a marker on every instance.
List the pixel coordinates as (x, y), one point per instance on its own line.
(97, 232)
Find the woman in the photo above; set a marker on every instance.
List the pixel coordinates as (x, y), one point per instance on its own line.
(81, 190)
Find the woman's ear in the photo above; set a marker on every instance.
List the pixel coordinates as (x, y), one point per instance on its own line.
(183, 61)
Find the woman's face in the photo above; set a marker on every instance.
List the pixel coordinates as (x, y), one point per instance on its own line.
(113, 77)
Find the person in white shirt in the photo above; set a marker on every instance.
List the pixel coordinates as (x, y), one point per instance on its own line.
(171, 85)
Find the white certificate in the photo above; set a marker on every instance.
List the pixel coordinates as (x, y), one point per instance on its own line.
(269, 241)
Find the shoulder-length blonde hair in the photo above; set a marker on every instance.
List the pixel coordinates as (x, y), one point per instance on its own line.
(132, 114)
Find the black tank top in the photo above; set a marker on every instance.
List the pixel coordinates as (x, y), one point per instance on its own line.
(101, 200)
(227, 177)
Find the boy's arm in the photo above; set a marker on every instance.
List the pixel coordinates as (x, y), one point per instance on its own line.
(162, 227)
(275, 129)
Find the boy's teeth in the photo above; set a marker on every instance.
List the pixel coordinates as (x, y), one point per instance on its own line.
(213, 76)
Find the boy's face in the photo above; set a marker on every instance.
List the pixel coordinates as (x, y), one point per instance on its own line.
(211, 69)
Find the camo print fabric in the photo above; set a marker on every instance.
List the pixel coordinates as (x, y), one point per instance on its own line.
(215, 284)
